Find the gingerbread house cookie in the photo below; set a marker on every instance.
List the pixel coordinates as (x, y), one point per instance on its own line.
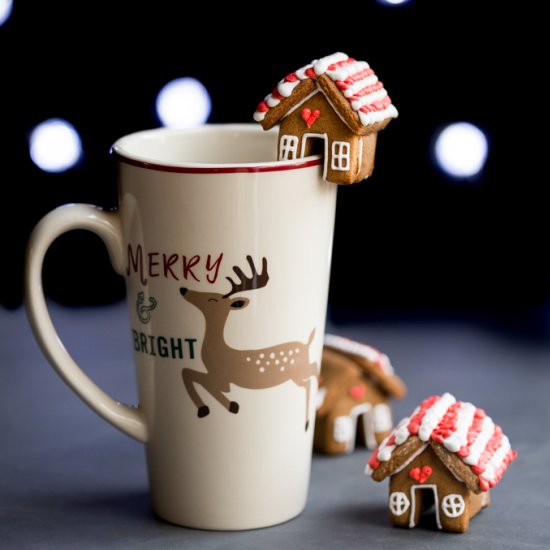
(447, 454)
(356, 384)
(335, 105)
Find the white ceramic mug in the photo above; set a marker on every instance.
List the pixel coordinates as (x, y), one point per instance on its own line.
(226, 255)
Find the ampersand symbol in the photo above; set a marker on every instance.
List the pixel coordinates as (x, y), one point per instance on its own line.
(144, 310)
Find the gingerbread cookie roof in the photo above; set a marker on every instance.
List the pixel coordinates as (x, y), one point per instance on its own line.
(356, 81)
(341, 343)
(375, 363)
(462, 429)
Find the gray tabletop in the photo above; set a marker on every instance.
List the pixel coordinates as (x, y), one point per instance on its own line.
(69, 480)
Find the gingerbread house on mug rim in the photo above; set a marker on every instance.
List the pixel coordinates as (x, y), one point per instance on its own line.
(337, 100)
(447, 454)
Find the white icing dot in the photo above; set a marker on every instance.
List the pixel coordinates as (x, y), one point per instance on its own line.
(262, 355)
(272, 355)
(297, 350)
(282, 369)
(292, 361)
(277, 361)
(285, 359)
(262, 369)
(258, 362)
(267, 362)
(282, 353)
(290, 352)
(248, 358)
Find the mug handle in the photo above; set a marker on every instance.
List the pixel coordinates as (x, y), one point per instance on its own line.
(129, 420)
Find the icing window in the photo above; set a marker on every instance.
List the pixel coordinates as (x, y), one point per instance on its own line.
(452, 505)
(382, 418)
(288, 147)
(344, 429)
(399, 503)
(340, 155)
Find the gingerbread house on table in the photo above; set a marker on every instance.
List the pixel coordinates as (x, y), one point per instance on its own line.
(336, 100)
(356, 384)
(447, 454)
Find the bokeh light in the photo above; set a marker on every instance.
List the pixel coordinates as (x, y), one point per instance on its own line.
(5, 10)
(461, 150)
(393, 2)
(55, 145)
(183, 103)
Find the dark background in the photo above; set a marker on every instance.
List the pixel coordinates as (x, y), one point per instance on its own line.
(409, 241)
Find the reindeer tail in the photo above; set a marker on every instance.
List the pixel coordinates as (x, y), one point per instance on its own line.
(311, 336)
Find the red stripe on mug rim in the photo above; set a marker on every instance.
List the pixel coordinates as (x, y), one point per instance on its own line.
(274, 166)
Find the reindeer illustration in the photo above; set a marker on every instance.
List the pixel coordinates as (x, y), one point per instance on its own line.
(251, 369)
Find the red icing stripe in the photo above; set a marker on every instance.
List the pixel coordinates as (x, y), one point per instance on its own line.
(492, 446)
(311, 73)
(414, 423)
(366, 91)
(341, 63)
(376, 106)
(473, 432)
(345, 84)
(373, 460)
(484, 484)
(291, 77)
(262, 107)
(447, 425)
(275, 93)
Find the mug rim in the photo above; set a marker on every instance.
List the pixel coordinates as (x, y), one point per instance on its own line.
(120, 154)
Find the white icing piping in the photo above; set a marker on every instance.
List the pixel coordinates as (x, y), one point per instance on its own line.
(300, 103)
(496, 460)
(347, 71)
(478, 446)
(384, 450)
(362, 350)
(325, 138)
(368, 99)
(418, 452)
(381, 418)
(459, 437)
(321, 66)
(387, 364)
(377, 116)
(413, 504)
(360, 84)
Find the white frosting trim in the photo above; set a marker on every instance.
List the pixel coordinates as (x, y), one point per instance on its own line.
(360, 84)
(496, 460)
(478, 446)
(362, 350)
(418, 452)
(402, 431)
(341, 73)
(368, 99)
(381, 418)
(377, 116)
(459, 437)
(321, 66)
(259, 115)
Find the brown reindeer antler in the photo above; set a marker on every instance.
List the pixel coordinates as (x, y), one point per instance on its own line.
(248, 283)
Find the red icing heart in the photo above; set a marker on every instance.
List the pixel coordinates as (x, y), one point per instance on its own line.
(310, 116)
(421, 475)
(357, 392)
